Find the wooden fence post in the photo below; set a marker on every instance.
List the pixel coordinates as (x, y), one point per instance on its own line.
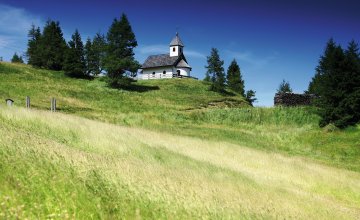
(27, 102)
(53, 105)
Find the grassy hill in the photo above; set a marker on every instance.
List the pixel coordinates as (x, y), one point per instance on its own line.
(166, 149)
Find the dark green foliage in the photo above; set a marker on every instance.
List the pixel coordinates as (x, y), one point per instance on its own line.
(215, 71)
(53, 46)
(250, 96)
(234, 78)
(33, 52)
(89, 57)
(349, 88)
(120, 55)
(284, 87)
(337, 83)
(325, 63)
(95, 52)
(74, 64)
(17, 59)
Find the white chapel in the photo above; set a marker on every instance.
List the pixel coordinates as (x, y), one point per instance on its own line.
(171, 65)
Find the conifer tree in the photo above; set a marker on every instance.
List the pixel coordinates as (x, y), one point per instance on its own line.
(250, 97)
(234, 78)
(215, 70)
(336, 83)
(284, 87)
(33, 52)
(17, 59)
(53, 46)
(89, 58)
(331, 71)
(348, 110)
(325, 63)
(95, 52)
(119, 58)
(74, 64)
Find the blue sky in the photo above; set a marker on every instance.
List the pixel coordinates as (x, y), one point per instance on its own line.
(271, 40)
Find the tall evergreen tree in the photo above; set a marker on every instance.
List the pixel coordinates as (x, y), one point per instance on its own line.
(331, 71)
(17, 59)
(284, 87)
(53, 46)
(348, 109)
(74, 64)
(95, 52)
(120, 52)
(325, 63)
(250, 97)
(234, 78)
(215, 70)
(336, 82)
(34, 49)
(89, 58)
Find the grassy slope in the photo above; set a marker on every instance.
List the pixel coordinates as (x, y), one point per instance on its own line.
(103, 170)
(173, 106)
(61, 166)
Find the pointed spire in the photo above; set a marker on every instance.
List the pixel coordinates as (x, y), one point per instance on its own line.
(176, 41)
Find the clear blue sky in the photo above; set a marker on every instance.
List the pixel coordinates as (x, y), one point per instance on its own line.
(271, 40)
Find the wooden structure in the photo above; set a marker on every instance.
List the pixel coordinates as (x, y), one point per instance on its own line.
(27, 102)
(53, 105)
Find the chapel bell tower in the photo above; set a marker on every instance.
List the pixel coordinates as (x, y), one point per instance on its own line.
(176, 46)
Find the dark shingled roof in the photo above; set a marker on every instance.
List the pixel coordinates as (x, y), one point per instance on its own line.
(183, 64)
(159, 60)
(176, 41)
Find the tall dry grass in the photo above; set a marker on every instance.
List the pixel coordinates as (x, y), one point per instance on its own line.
(61, 166)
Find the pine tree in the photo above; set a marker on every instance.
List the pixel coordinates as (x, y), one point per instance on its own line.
(119, 58)
(95, 52)
(250, 97)
(348, 110)
(234, 78)
(74, 64)
(34, 49)
(17, 59)
(284, 87)
(215, 70)
(89, 58)
(53, 46)
(331, 72)
(325, 62)
(337, 84)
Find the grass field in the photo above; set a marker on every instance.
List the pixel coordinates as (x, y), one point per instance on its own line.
(61, 166)
(166, 149)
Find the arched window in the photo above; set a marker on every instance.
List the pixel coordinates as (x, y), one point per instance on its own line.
(164, 72)
(173, 49)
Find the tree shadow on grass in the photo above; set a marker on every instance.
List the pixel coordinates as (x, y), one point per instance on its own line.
(139, 88)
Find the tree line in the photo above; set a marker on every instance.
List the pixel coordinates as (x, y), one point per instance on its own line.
(336, 83)
(112, 53)
(17, 59)
(232, 79)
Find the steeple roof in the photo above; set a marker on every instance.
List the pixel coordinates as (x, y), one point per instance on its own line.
(176, 41)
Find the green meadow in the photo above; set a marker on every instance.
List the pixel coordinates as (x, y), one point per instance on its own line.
(166, 149)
